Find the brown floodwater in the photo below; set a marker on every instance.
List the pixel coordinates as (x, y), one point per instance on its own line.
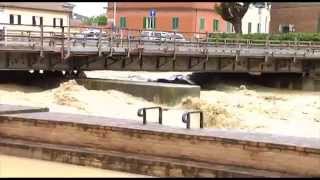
(11, 166)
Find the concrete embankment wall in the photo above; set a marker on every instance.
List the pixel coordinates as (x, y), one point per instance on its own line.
(297, 156)
(163, 93)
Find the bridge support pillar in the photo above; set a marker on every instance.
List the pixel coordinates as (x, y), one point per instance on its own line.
(311, 84)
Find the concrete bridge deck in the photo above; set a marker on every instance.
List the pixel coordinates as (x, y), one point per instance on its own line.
(128, 50)
(208, 151)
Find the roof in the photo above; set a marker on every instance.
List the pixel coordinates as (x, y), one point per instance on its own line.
(50, 6)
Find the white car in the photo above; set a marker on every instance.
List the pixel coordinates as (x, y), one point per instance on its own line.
(178, 37)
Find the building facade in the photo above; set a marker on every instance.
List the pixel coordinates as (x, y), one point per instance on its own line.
(256, 19)
(35, 13)
(295, 17)
(175, 16)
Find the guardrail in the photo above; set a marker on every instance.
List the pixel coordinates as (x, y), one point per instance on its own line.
(43, 36)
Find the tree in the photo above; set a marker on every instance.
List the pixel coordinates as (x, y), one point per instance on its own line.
(233, 12)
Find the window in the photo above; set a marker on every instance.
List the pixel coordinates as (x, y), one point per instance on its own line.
(215, 25)
(258, 28)
(55, 22)
(175, 23)
(11, 19)
(37, 20)
(230, 28)
(202, 24)
(149, 22)
(19, 19)
(15, 19)
(249, 27)
(123, 22)
(33, 20)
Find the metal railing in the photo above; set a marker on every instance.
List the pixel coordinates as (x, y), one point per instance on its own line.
(44, 37)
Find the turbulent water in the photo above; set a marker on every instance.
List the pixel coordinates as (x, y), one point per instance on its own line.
(249, 108)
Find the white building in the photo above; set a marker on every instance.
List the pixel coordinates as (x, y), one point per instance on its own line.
(257, 18)
(16, 14)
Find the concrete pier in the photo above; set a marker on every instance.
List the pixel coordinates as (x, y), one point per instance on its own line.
(162, 93)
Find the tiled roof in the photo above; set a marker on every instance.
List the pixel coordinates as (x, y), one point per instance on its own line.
(52, 6)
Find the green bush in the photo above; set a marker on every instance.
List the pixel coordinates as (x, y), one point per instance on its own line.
(261, 36)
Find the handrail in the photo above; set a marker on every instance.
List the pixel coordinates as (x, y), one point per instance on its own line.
(186, 118)
(142, 112)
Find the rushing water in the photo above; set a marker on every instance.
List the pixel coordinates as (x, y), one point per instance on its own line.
(11, 166)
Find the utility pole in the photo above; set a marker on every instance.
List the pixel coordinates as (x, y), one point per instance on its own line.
(114, 13)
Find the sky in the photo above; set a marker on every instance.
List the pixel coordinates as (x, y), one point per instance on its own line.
(89, 8)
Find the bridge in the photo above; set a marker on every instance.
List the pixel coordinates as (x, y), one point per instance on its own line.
(27, 47)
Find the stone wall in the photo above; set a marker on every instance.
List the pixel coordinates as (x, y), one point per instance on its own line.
(297, 156)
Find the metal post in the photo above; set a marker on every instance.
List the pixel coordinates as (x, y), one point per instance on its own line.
(160, 115)
(121, 36)
(99, 42)
(62, 44)
(129, 44)
(144, 116)
(41, 39)
(69, 48)
(3, 36)
(174, 45)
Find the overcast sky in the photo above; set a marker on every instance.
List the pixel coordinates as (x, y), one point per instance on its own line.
(89, 8)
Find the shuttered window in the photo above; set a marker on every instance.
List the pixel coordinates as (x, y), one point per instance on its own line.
(123, 22)
(249, 27)
(61, 22)
(11, 19)
(19, 19)
(33, 20)
(41, 21)
(144, 22)
(54, 22)
(215, 25)
(258, 28)
(175, 23)
(202, 24)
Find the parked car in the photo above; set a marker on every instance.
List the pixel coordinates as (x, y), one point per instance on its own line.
(154, 35)
(178, 37)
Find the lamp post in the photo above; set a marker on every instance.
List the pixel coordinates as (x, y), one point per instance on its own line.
(114, 13)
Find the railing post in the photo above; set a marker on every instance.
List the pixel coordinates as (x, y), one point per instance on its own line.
(69, 45)
(99, 42)
(174, 45)
(5, 36)
(62, 44)
(121, 36)
(129, 44)
(111, 42)
(41, 39)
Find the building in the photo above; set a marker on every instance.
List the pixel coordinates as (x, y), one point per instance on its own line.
(295, 17)
(256, 19)
(164, 16)
(54, 14)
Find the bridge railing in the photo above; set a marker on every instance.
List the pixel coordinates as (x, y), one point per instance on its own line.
(65, 37)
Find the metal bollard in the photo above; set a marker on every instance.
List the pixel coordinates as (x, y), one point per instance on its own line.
(186, 118)
(143, 112)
